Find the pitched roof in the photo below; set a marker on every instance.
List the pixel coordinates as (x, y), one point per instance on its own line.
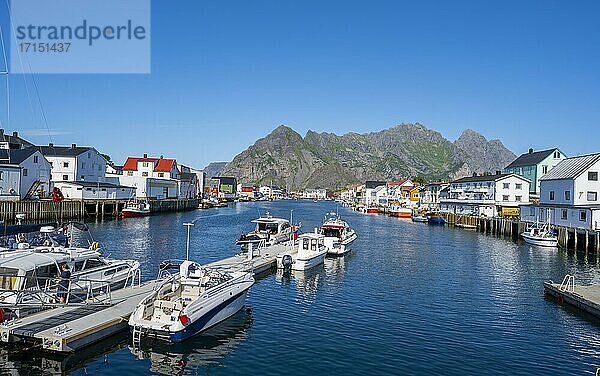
(479, 178)
(160, 164)
(571, 168)
(370, 184)
(14, 139)
(531, 159)
(15, 156)
(63, 151)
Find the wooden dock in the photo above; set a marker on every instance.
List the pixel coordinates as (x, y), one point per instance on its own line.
(68, 329)
(586, 298)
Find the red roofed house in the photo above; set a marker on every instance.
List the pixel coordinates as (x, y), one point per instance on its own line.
(152, 177)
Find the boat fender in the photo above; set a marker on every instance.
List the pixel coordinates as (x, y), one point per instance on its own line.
(2, 315)
(286, 261)
(560, 299)
(94, 246)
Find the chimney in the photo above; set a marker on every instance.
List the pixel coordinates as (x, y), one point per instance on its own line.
(51, 145)
(15, 134)
(530, 151)
(73, 146)
(145, 155)
(498, 172)
(161, 157)
(1, 132)
(474, 174)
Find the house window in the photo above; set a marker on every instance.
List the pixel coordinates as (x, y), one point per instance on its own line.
(557, 154)
(35, 159)
(161, 174)
(65, 177)
(519, 186)
(1, 175)
(65, 164)
(567, 195)
(24, 172)
(82, 177)
(129, 173)
(144, 164)
(563, 214)
(592, 175)
(551, 195)
(505, 198)
(544, 169)
(145, 173)
(582, 215)
(518, 198)
(506, 185)
(83, 165)
(592, 196)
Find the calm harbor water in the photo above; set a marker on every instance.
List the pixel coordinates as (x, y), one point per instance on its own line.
(410, 299)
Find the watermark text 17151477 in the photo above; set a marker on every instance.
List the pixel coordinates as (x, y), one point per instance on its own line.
(80, 36)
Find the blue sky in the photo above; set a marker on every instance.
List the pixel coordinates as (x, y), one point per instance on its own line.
(225, 73)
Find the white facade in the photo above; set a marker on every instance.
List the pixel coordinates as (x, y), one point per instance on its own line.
(88, 165)
(152, 177)
(569, 194)
(100, 191)
(29, 179)
(430, 194)
(485, 195)
(314, 194)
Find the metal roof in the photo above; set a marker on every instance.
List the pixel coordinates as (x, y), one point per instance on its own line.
(482, 178)
(531, 159)
(571, 168)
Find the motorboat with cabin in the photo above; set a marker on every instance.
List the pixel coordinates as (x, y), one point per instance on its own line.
(189, 302)
(310, 252)
(435, 219)
(268, 231)
(540, 234)
(29, 271)
(400, 211)
(136, 208)
(338, 234)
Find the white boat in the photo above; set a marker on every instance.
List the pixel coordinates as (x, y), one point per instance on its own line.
(400, 211)
(311, 251)
(540, 235)
(337, 234)
(419, 218)
(269, 231)
(190, 302)
(29, 275)
(136, 208)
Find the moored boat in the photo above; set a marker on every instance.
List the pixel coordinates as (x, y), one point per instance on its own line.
(419, 218)
(372, 210)
(435, 219)
(311, 251)
(540, 235)
(190, 302)
(338, 235)
(136, 208)
(400, 211)
(268, 231)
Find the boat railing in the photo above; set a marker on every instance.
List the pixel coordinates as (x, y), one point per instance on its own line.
(568, 283)
(134, 278)
(45, 293)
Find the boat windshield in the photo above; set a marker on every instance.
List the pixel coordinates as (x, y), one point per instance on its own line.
(271, 228)
(331, 232)
(8, 278)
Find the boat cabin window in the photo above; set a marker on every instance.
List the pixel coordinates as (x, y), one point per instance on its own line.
(8, 277)
(93, 263)
(331, 232)
(271, 228)
(305, 243)
(79, 265)
(31, 280)
(313, 245)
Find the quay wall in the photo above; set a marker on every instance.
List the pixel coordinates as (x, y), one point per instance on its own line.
(47, 210)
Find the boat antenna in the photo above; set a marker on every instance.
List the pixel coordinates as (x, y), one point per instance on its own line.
(292, 216)
(187, 247)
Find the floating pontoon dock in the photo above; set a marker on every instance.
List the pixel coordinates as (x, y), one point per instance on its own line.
(586, 298)
(69, 328)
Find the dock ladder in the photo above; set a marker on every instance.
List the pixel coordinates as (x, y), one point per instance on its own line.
(568, 283)
(136, 336)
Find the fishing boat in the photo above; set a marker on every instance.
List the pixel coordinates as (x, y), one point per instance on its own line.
(372, 210)
(268, 231)
(419, 218)
(136, 208)
(311, 251)
(190, 301)
(337, 234)
(540, 234)
(435, 219)
(400, 211)
(29, 271)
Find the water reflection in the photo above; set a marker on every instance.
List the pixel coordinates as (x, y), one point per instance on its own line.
(15, 361)
(202, 352)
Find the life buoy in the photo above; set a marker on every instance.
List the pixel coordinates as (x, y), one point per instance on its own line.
(2, 315)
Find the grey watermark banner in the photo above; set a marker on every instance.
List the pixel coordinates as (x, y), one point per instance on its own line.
(80, 36)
